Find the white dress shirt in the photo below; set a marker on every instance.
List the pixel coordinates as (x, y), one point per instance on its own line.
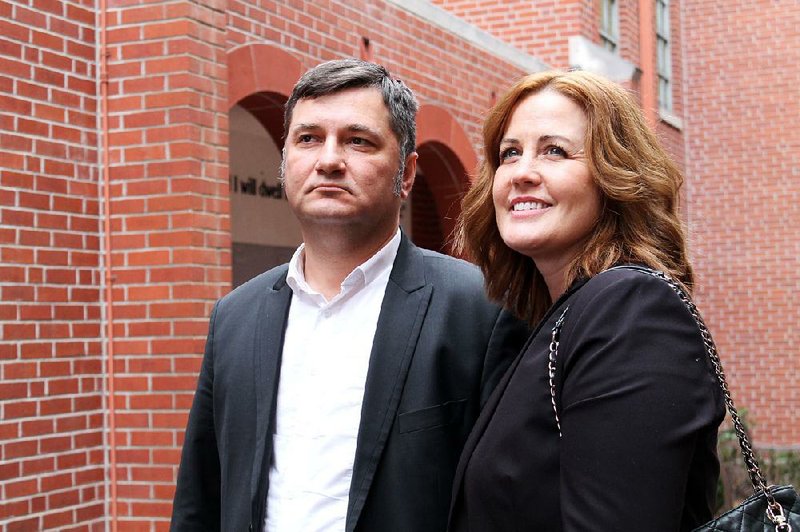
(323, 372)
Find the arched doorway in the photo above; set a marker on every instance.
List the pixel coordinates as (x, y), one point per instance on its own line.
(435, 200)
(422, 221)
(445, 158)
(264, 232)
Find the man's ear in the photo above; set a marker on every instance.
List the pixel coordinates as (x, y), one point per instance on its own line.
(409, 173)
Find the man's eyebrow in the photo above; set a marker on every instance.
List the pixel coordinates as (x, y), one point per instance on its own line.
(305, 125)
(361, 128)
(356, 128)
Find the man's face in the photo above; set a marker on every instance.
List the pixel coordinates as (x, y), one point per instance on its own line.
(341, 159)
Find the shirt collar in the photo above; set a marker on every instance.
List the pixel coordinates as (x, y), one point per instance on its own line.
(362, 275)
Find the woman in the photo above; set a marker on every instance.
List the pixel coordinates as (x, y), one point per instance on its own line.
(573, 184)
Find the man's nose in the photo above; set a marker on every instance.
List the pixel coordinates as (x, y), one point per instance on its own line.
(331, 158)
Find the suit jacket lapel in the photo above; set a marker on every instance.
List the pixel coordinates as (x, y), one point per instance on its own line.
(273, 312)
(402, 313)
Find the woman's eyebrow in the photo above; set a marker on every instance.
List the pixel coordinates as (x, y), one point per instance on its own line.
(558, 138)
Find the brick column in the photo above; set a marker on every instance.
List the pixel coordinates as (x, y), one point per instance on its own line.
(170, 237)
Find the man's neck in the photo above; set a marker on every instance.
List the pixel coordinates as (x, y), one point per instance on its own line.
(328, 260)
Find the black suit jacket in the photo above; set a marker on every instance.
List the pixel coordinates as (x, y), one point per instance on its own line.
(639, 408)
(439, 349)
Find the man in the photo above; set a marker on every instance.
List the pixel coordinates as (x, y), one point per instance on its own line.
(337, 391)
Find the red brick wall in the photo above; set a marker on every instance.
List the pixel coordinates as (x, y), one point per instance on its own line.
(170, 245)
(743, 159)
(51, 404)
(540, 28)
(628, 28)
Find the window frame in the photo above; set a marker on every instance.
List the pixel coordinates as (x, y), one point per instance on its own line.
(609, 25)
(663, 56)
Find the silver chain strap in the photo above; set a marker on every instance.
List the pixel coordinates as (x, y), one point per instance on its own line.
(551, 364)
(774, 510)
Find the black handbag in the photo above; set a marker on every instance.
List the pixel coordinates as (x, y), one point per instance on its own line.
(770, 507)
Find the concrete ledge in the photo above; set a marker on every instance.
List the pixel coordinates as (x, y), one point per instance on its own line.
(586, 55)
(670, 120)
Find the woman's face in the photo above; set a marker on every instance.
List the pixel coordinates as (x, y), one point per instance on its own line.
(545, 200)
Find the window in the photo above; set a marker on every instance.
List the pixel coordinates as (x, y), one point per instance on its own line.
(609, 24)
(663, 57)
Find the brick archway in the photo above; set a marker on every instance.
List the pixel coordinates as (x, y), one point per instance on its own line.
(260, 79)
(446, 157)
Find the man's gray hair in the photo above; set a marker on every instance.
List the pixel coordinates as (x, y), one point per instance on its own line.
(342, 74)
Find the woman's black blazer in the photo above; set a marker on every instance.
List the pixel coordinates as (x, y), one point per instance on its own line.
(639, 409)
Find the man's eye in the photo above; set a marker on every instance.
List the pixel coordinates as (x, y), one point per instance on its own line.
(305, 138)
(359, 141)
(508, 153)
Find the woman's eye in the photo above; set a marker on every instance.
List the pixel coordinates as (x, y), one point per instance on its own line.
(555, 151)
(509, 153)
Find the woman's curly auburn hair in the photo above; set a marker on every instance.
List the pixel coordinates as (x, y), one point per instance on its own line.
(638, 181)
